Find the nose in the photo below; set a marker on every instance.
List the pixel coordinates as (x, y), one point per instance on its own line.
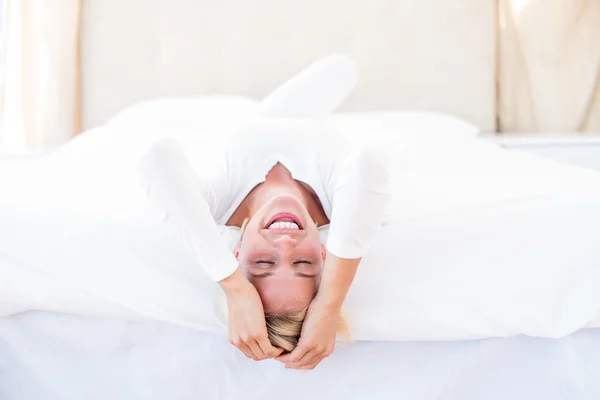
(285, 240)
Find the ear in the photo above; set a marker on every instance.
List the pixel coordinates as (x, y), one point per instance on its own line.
(323, 252)
(236, 249)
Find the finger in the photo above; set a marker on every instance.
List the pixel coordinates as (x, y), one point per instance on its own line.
(295, 356)
(313, 365)
(307, 359)
(268, 348)
(258, 352)
(247, 351)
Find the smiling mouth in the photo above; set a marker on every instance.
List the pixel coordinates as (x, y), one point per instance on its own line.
(284, 221)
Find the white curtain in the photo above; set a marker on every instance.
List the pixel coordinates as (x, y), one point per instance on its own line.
(40, 96)
(549, 65)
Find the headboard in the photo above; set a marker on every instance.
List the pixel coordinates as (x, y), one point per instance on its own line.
(412, 54)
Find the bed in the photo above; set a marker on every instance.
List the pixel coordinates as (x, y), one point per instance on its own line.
(52, 356)
(435, 342)
(424, 354)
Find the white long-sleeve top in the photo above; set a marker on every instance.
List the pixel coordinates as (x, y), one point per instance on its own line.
(351, 183)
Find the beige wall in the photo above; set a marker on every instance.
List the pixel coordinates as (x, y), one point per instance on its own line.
(514, 65)
(412, 54)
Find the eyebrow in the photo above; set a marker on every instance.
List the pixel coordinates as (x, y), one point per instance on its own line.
(299, 274)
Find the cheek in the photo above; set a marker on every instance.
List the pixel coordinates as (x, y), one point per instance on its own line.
(249, 245)
(245, 255)
(254, 221)
(245, 270)
(315, 248)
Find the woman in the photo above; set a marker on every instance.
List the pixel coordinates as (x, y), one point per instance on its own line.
(279, 179)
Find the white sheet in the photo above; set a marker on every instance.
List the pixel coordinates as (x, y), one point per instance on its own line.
(490, 259)
(47, 356)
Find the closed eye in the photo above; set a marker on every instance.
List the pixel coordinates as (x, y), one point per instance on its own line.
(265, 262)
(302, 262)
(303, 275)
(262, 275)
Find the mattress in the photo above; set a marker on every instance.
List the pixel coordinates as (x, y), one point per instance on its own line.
(50, 356)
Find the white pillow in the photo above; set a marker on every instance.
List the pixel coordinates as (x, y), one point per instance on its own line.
(433, 124)
(193, 121)
(192, 112)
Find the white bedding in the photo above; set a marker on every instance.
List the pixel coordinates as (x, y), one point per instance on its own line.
(495, 268)
(46, 356)
(478, 242)
(487, 243)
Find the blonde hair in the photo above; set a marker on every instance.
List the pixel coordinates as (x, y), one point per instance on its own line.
(284, 330)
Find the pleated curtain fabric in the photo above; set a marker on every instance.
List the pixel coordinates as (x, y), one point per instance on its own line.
(548, 66)
(41, 79)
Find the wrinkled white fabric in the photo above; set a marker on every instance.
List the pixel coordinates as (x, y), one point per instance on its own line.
(478, 241)
(506, 248)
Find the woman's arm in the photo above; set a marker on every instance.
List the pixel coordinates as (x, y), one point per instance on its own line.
(360, 189)
(338, 275)
(174, 187)
(360, 195)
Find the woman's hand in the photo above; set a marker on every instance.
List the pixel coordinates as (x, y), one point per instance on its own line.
(247, 326)
(317, 339)
(322, 321)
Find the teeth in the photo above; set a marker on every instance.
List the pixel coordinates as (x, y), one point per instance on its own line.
(283, 225)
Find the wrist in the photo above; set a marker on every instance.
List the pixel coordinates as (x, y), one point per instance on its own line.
(330, 301)
(234, 283)
(338, 274)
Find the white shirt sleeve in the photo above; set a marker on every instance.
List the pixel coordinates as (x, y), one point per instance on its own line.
(188, 203)
(359, 190)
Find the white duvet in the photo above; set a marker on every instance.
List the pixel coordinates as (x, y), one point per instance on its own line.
(481, 242)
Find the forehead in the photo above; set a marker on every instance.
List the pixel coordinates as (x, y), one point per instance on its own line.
(281, 296)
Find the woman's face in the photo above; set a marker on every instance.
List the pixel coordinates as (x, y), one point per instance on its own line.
(281, 254)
